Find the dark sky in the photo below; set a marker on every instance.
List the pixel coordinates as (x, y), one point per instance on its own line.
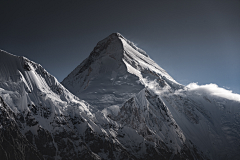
(194, 41)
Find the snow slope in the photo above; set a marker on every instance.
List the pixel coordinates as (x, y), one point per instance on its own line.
(211, 122)
(31, 84)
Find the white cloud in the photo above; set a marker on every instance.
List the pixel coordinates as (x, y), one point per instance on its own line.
(213, 89)
(193, 88)
(154, 86)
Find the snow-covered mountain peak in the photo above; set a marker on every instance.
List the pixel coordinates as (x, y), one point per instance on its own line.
(115, 70)
(114, 35)
(111, 37)
(113, 41)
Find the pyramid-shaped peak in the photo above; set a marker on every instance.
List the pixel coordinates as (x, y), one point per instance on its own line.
(116, 67)
(117, 37)
(111, 37)
(116, 34)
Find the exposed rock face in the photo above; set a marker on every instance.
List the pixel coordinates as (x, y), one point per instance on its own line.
(14, 145)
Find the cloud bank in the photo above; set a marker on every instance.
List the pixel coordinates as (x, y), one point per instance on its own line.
(193, 88)
(212, 89)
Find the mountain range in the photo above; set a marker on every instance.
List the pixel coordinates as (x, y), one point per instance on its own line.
(117, 104)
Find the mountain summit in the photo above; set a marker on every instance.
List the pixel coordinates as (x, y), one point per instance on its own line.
(115, 70)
